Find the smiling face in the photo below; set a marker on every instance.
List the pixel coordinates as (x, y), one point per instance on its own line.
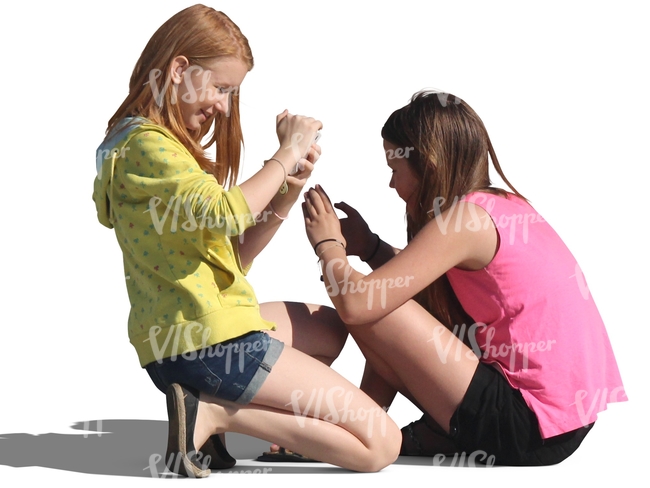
(403, 179)
(204, 91)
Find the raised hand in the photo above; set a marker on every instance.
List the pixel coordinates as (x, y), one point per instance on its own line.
(304, 168)
(296, 134)
(321, 221)
(361, 241)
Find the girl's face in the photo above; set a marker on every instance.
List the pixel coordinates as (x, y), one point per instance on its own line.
(403, 179)
(204, 91)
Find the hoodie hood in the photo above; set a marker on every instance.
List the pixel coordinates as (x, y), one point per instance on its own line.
(113, 148)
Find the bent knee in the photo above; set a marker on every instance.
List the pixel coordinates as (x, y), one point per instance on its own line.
(383, 449)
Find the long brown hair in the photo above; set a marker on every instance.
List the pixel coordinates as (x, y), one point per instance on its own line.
(449, 155)
(199, 33)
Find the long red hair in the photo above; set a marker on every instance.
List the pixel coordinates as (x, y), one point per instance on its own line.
(199, 33)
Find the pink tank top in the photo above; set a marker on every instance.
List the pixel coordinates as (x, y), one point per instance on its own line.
(536, 320)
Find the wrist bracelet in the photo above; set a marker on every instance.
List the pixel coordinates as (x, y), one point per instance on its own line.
(276, 214)
(284, 188)
(328, 240)
(336, 244)
(372, 255)
(319, 254)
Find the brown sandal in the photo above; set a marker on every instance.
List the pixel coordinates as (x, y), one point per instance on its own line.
(284, 456)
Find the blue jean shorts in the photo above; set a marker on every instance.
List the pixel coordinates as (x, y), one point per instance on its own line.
(233, 370)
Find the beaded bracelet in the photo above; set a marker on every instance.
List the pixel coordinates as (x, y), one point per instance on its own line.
(284, 188)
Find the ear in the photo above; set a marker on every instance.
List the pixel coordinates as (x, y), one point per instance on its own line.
(178, 66)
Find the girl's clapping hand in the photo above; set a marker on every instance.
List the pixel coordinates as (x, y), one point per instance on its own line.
(304, 167)
(361, 241)
(321, 221)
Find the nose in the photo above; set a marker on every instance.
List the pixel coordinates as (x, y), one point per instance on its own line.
(223, 104)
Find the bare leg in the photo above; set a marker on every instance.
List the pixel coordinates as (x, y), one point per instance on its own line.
(381, 383)
(417, 355)
(315, 330)
(308, 407)
(375, 386)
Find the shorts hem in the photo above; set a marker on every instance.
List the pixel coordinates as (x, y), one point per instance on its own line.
(270, 358)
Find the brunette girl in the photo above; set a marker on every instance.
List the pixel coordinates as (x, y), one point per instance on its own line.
(483, 267)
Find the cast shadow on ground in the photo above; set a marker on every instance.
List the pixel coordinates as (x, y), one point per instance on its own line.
(130, 447)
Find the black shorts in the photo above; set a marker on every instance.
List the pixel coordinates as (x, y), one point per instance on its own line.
(493, 419)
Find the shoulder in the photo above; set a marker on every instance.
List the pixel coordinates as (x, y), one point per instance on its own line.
(152, 150)
(497, 203)
(468, 228)
(155, 138)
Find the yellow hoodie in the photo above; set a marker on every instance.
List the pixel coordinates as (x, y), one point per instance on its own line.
(177, 229)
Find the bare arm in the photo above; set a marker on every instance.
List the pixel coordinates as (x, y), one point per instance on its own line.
(295, 134)
(256, 238)
(362, 299)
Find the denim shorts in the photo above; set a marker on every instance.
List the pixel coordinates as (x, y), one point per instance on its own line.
(233, 370)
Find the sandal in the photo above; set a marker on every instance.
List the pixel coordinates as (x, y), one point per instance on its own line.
(284, 456)
(181, 457)
(444, 443)
(219, 458)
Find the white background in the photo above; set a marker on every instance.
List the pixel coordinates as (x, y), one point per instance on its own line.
(561, 87)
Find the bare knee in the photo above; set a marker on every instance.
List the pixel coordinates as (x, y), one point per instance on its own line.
(383, 448)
